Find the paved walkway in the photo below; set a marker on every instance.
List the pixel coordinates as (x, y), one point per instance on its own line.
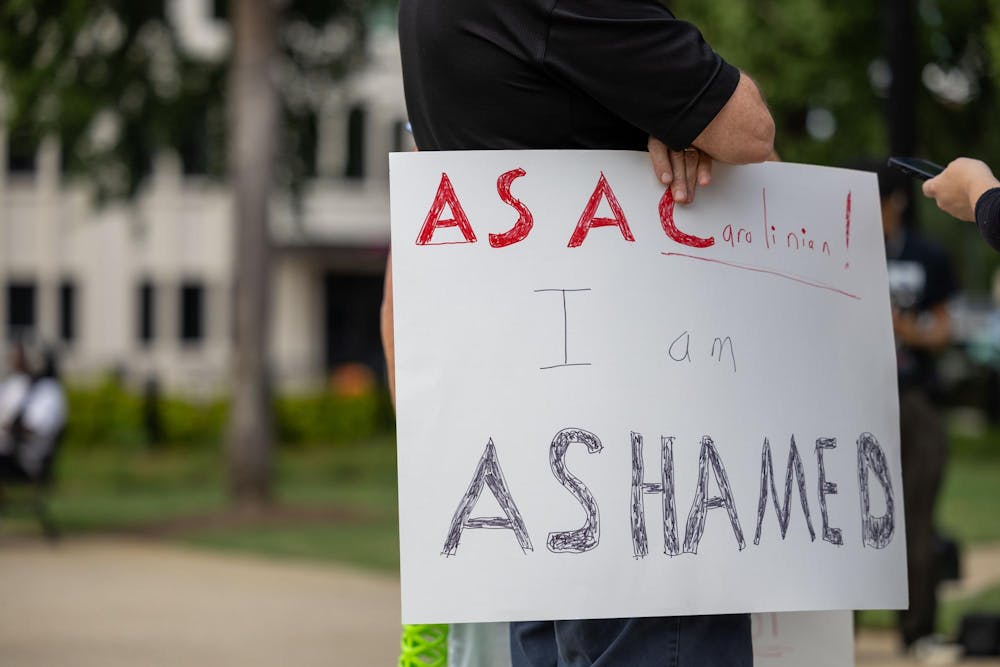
(113, 603)
(110, 603)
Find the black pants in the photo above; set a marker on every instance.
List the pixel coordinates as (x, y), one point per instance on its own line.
(11, 470)
(675, 641)
(924, 452)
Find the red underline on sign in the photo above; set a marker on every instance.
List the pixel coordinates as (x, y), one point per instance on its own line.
(770, 272)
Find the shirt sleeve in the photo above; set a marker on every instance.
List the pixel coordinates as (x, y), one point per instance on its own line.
(988, 217)
(641, 63)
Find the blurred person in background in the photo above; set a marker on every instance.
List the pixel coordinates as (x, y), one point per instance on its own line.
(13, 392)
(36, 425)
(969, 191)
(921, 282)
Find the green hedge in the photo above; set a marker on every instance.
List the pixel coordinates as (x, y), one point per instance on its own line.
(110, 415)
(326, 418)
(105, 414)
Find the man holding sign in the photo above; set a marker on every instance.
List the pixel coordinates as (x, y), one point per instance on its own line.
(587, 74)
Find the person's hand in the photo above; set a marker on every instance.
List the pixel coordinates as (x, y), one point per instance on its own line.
(957, 189)
(682, 171)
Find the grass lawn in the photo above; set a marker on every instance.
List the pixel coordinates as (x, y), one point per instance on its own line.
(969, 505)
(334, 503)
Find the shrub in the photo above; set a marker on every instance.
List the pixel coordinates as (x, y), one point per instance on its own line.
(327, 418)
(105, 414)
(109, 415)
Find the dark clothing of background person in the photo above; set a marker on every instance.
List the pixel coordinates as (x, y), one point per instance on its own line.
(583, 74)
(988, 217)
(920, 279)
(924, 454)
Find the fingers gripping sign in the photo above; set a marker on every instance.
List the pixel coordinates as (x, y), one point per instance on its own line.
(682, 171)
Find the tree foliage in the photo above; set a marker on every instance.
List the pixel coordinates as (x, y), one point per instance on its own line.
(114, 81)
(823, 69)
(118, 81)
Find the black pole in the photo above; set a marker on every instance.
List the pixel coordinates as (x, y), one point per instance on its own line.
(901, 107)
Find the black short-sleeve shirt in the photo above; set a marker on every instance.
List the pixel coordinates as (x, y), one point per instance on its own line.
(507, 74)
(921, 278)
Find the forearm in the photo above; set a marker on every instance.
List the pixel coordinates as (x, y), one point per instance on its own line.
(743, 131)
(388, 333)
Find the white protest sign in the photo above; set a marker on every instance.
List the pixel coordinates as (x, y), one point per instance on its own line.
(609, 406)
(803, 639)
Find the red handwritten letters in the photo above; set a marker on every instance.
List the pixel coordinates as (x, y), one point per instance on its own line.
(667, 220)
(524, 221)
(589, 217)
(445, 195)
(798, 240)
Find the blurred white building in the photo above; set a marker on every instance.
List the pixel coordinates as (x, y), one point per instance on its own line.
(145, 288)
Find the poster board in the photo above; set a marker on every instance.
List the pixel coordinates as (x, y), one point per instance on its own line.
(797, 639)
(609, 405)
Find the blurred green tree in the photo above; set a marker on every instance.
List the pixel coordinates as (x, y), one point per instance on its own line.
(827, 70)
(118, 81)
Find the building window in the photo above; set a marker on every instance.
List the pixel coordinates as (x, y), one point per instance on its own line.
(22, 146)
(356, 122)
(67, 311)
(147, 312)
(192, 312)
(20, 310)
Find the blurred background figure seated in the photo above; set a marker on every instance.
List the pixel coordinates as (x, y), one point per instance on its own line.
(13, 395)
(32, 417)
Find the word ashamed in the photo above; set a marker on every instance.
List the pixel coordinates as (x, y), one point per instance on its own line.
(876, 531)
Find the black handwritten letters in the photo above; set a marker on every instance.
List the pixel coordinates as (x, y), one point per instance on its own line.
(586, 538)
(784, 512)
(877, 531)
(565, 361)
(831, 535)
(487, 471)
(702, 502)
(722, 350)
(665, 489)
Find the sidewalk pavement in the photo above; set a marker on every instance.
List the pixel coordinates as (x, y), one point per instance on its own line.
(117, 603)
(110, 603)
